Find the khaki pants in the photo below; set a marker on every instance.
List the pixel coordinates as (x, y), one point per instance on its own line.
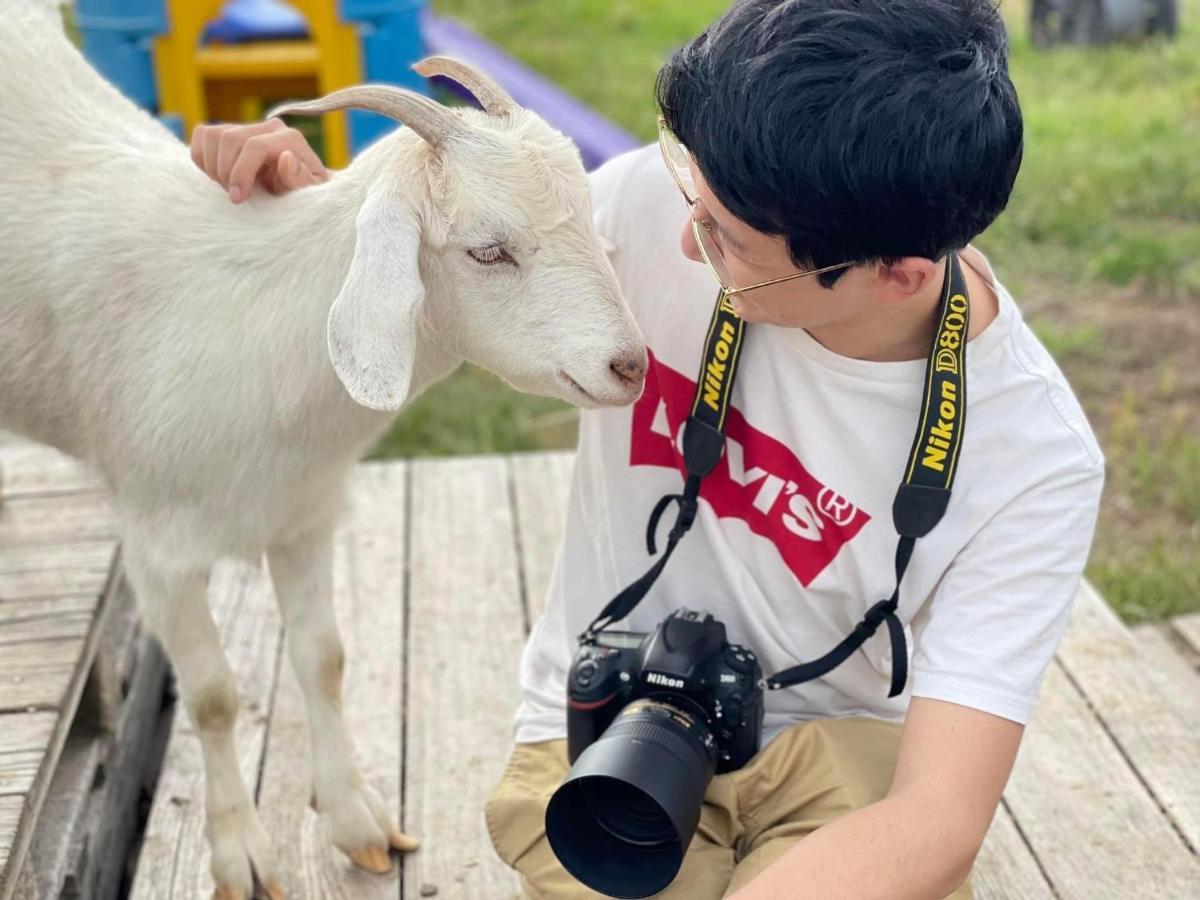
(808, 776)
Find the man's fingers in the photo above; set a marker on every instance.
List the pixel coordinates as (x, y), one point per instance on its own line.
(197, 146)
(307, 157)
(210, 141)
(274, 153)
(233, 140)
(235, 156)
(292, 173)
(256, 153)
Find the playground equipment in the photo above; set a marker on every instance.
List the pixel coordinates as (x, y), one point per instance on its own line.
(163, 54)
(172, 57)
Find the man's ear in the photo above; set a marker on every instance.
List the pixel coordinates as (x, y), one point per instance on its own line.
(372, 325)
(904, 278)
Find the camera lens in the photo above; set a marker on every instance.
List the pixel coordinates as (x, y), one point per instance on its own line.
(626, 812)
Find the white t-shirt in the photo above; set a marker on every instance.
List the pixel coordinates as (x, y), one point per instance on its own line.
(794, 538)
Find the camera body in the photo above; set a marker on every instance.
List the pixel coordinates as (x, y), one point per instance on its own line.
(686, 663)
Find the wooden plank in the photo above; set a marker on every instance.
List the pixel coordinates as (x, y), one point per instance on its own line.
(29, 469)
(76, 567)
(1096, 831)
(368, 589)
(465, 638)
(55, 519)
(1005, 868)
(27, 614)
(40, 645)
(541, 487)
(90, 814)
(24, 740)
(46, 629)
(67, 704)
(1105, 663)
(11, 810)
(174, 860)
(39, 675)
(26, 885)
(1188, 628)
(1175, 668)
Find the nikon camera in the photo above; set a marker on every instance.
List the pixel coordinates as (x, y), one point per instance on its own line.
(650, 719)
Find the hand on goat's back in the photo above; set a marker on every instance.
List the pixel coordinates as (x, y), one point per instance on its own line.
(268, 154)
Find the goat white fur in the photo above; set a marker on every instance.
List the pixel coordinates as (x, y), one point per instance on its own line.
(207, 358)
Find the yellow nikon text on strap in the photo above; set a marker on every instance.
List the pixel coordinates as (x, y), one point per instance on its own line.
(940, 438)
(721, 349)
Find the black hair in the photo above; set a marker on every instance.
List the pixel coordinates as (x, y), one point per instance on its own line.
(860, 130)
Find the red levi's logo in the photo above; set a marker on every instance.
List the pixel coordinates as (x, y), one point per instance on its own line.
(758, 480)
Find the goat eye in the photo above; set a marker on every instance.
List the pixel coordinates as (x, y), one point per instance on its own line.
(490, 256)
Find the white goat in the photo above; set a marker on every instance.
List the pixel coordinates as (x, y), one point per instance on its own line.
(207, 358)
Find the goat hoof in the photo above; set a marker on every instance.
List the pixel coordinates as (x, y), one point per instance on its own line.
(275, 891)
(403, 842)
(373, 859)
(229, 892)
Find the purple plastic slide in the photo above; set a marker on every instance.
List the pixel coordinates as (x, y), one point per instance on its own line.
(598, 138)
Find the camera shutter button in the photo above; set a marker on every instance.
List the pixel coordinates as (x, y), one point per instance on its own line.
(585, 673)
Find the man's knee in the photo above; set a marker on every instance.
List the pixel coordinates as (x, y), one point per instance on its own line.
(515, 814)
(515, 811)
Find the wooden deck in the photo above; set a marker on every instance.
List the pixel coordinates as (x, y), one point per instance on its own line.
(439, 571)
(81, 688)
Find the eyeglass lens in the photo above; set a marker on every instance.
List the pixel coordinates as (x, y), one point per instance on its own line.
(681, 164)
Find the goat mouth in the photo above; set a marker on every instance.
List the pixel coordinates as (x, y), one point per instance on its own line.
(575, 386)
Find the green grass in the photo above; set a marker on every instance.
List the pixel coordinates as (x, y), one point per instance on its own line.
(1110, 187)
(1152, 584)
(605, 52)
(472, 411)
(1108, 201)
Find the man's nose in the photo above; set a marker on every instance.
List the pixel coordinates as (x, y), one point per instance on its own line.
(687, 242)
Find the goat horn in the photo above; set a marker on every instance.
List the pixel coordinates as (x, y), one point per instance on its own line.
(430, 120)
(493, 98)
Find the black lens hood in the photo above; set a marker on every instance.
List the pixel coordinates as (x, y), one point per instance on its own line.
(665, 754)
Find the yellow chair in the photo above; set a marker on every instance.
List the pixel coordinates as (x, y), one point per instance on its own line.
(203, 83)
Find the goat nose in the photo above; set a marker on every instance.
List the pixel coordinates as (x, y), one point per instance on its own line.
(630, 368)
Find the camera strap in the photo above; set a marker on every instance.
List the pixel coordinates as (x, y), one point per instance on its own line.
(920, 501)
(703, 444)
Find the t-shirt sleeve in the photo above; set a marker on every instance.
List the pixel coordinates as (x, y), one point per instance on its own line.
(992, 626)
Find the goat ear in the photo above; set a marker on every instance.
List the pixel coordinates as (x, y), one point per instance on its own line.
(372, 325)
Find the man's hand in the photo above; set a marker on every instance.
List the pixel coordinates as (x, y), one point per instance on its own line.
(920, 841)
(267, 153)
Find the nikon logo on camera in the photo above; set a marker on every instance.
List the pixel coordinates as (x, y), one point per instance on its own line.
(664, 680)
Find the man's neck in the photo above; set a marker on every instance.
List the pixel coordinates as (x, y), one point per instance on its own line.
(903, 331)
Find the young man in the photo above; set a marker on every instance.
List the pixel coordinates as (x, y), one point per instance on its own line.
(870, 139)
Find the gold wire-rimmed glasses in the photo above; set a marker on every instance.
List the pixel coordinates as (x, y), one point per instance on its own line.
(679, 164)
